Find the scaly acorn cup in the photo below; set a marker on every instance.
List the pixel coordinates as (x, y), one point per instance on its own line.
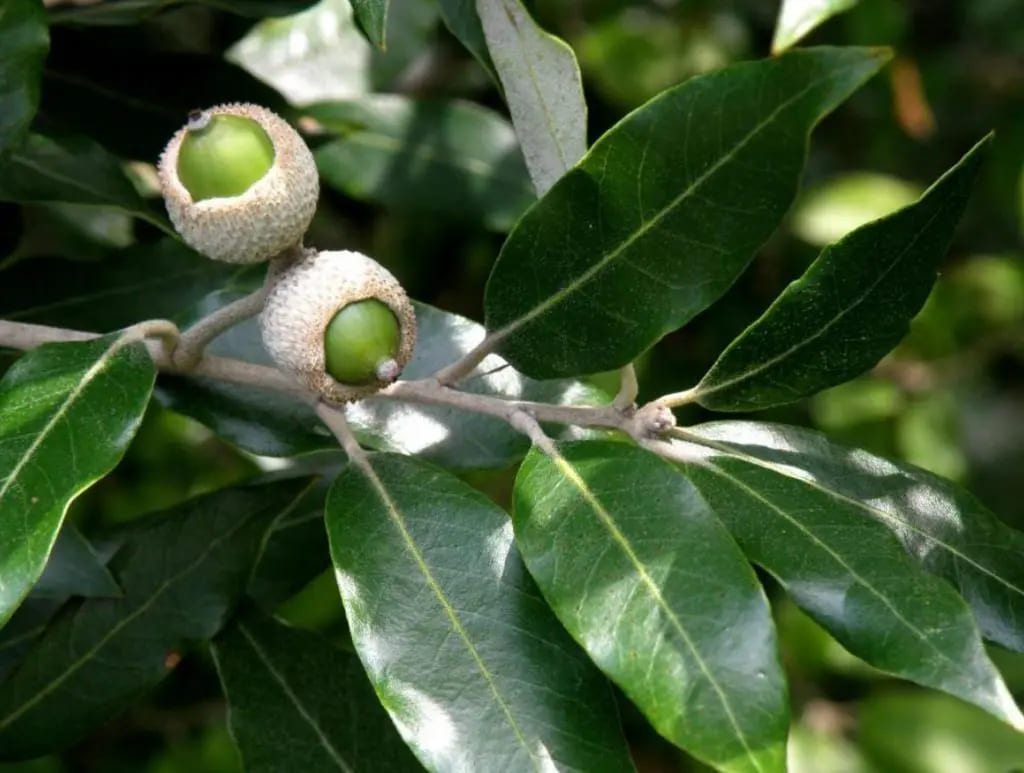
(340, 323)
(239, 182)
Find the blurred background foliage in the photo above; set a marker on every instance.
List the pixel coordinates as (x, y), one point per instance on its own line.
(950, 398)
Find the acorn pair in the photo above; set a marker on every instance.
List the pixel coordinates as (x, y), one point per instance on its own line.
(241, 186)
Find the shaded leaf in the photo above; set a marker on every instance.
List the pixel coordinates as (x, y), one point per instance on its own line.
(451, 157)
(542, 87)
(663, 213)
(642, 574)
(74, 569)
(67, 414)
(372, 16)
(297, 702)
(461, 649)
(25, 626)
(111, 12)
(848, 310)
(938, 523)
(277, 425)
(181, 573)
(24, 40)
(73, 170)
(851, 575)
(799, 17)
(461, 18)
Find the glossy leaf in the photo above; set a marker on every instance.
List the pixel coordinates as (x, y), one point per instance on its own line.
(461, 18)
(297, 702)
(450, 157)
(642, 574)
(663, 213)
(798, 17)
(852, 576)
(110, 12)
(848, 310)
(164, 280)
(74, 569)
(372, 16)
(461, 649)
(24, 40)
(276, 425)
(73, 170)
(938, 523)
(181, 573)
(67, 414)
(543, 89)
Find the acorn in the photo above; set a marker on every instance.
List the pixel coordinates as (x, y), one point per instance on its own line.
(340, 323)
(239, 182)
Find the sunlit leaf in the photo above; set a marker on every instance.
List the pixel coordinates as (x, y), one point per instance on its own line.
(799, 17)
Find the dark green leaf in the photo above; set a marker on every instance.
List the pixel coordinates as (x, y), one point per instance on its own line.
(110, 12)
(21, 631)
(643, 575)
(945, 528)
(799, 17)
(372, 16)
(543, 89)
(67, 414)
(276, 425)
(852, 576)
(451, 157)
(181, 574)
(24, 41)
(461, 649)
(74, 569)
(297, 702)
(663, 213)
(847, 311)
(461, 18)
(165, 279)
(73, 170)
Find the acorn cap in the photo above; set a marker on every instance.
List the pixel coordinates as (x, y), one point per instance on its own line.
(271, 216)
(304, 299)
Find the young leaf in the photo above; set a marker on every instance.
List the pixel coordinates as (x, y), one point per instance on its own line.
(663, 213)
(543, 89)
(67, 414)
(297, 702)
(799, 17)
(372, 16)
(942, 526)
(74, 170)
(181, 574)
(24, 40)
(852, 576)
(449, 157)
(643, 575)
(851, 306)
(461, 649)
(462, 20)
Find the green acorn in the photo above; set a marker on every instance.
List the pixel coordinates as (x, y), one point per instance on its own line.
(240, 184)
(340, 323)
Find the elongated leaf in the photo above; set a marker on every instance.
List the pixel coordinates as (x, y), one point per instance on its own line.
(461, 18)
(74, 569)
(276, 425)
(181, 574)
(74, 170)
(799, 17)
(852, 576)
(847, 311)
(296, 702)
(643, 575)
(461, 649)
(942, 526)
(543, 89)
(449, 157)
(24, 40)
(67, 414)
(663, 213)
(372, 16)
(111, 12)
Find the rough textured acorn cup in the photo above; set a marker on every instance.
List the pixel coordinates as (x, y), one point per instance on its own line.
(272, 215)
(304, 299)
